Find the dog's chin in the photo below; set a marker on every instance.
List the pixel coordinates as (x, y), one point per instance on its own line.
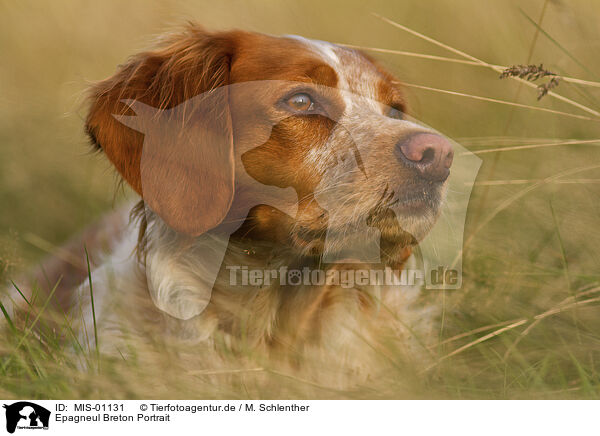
(403, 222)
(397, 231)
(408, 222)
(308, 242)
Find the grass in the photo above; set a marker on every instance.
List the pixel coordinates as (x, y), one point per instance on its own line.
(525, 324)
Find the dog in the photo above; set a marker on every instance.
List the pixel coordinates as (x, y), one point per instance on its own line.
(255, 156)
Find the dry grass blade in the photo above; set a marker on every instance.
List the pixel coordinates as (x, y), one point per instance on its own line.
(479, 61)
(514, 198)
(224, 371)
(537, 319)
(415, 55)
(580, 81)
(505, 140)
(556, 310)
(478, 341)
(528, 181)
(458, 61)
(299, 380)
(433, 41)
(529, 146)
(494, 100)
(560, 307)
(472, 332)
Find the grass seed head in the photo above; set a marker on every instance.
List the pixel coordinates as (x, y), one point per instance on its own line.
(532, 73)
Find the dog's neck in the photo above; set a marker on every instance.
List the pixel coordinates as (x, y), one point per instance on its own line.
(185, 274)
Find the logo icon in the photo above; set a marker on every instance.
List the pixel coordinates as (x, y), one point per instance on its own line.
(26, 415)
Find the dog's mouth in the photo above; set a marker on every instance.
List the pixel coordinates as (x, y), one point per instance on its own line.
(402, 219)
(415, 199)
(422, 200)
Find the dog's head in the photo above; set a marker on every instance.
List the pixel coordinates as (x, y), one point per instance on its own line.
(300, 140)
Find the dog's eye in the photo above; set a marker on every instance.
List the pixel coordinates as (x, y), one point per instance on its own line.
(301, 102)
(395, 113)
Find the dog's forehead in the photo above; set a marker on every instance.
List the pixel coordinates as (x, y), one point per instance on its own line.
(356, 74)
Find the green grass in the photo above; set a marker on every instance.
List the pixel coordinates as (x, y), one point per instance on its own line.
(526, 323)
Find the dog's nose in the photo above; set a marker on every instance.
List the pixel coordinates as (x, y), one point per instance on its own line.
(430, 154)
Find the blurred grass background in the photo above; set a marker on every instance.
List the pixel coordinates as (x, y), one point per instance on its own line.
(538, 250)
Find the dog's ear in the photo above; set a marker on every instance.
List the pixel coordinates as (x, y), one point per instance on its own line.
(163, 120)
